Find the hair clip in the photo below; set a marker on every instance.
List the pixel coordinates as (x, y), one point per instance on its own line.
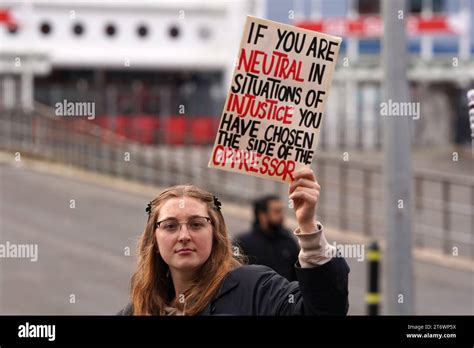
(217, 203)
(148, 209)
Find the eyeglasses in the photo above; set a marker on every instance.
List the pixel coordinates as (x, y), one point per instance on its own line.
(194, 224)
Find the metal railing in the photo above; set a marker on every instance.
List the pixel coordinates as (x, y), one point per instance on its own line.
(443, 204)
(351, 197)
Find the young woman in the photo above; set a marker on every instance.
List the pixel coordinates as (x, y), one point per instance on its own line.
(187, 265)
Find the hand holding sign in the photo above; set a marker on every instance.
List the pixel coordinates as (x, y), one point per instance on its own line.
(304, 192)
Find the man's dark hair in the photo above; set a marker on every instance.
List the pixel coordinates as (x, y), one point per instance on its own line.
(260, 205)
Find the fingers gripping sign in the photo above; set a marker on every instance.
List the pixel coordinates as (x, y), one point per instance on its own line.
(304, 192)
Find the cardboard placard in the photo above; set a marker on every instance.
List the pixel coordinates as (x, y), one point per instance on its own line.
(273, 111)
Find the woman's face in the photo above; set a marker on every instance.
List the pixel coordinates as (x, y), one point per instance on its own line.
(181, 247)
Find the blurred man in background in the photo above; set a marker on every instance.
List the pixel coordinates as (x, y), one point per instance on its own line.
(269, 243)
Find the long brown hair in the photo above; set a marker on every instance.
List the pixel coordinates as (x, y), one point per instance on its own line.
(151, 284)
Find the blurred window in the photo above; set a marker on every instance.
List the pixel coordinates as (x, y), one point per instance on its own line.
(110, 30)
(370, 7)
(13, 29)
(366, 7)
(78, 29)
(174, 32)
(417, 5)
(45, 28)
(142, 31)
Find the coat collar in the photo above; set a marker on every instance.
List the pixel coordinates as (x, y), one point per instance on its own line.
(229, 283)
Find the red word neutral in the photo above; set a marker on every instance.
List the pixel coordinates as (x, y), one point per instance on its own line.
(276, 65)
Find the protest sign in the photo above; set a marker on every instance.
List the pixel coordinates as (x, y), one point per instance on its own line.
(272, 115)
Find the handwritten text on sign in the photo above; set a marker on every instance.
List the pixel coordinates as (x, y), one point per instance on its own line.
(272, 115)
